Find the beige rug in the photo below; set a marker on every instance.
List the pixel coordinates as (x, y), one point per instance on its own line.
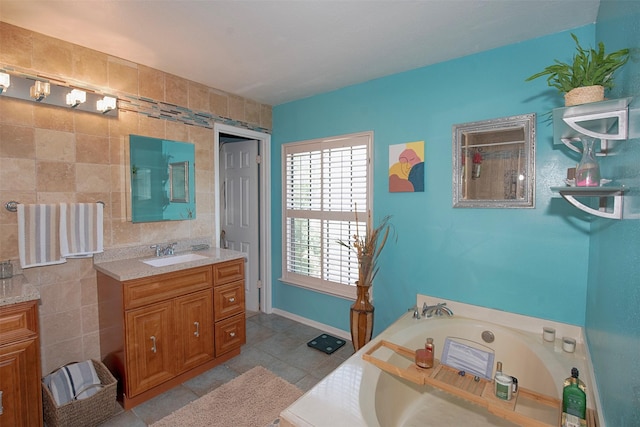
(254, 399)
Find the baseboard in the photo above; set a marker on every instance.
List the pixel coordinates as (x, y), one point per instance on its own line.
(345, 335)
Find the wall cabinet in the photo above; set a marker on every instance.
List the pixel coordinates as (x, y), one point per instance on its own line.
(20, 372)
(156, 332)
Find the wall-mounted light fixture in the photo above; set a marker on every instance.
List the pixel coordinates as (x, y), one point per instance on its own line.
(40, 90)
(106, 104)
(76, 97)
(56, 92)
(5, 81)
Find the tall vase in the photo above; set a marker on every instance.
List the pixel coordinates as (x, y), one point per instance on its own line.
(588, 171)
(361, 318)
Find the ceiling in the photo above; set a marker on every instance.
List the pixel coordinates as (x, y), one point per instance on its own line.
(279, 51)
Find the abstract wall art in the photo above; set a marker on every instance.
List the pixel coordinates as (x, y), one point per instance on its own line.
(406, 167)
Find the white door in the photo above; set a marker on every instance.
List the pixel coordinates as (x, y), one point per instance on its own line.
(239, 218)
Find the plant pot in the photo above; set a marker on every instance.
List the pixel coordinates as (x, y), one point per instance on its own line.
(361, 318)
(583, 95)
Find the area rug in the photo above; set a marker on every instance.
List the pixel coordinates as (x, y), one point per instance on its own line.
(254, 399)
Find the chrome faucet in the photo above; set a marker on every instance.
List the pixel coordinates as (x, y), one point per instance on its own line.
(438, 310)
(167, 250)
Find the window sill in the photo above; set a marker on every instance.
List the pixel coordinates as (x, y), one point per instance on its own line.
(340, 291)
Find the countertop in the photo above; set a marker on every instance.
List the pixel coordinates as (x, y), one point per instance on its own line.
(17, 289)
(134, 268)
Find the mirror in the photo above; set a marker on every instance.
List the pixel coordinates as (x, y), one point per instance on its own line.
(494, 163)
(179, 182)
(162, 179)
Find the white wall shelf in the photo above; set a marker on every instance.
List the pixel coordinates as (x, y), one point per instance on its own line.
(607, 121)
(570, 194)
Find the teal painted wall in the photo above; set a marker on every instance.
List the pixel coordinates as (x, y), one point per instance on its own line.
(528, 261)
(613, 293)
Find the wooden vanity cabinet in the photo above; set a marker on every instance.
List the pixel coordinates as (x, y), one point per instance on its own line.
(157, 332)
(20, 372)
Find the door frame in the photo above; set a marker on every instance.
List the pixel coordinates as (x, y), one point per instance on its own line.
(264, 195)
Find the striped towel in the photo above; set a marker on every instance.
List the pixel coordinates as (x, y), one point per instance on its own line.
(81, 229)
(38, 235)
(72, 382)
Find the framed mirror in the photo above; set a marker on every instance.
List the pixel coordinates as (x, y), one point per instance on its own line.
(494, 163)
(162, 179)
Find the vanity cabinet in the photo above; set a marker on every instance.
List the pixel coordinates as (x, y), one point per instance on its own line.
(20, 372)
(157, 332)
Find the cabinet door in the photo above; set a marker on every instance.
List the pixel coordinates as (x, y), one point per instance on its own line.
(150, 347)
(194, 329)
(228, 300)
(230, 334)
(20, 385)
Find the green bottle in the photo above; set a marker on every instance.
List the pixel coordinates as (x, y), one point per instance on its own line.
(574, 399)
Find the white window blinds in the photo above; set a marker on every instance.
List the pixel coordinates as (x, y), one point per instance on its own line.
(324, 182)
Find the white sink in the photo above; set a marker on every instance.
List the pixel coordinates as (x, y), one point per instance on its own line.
(173, 259)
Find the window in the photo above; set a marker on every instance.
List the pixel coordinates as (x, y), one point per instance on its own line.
(325, 180)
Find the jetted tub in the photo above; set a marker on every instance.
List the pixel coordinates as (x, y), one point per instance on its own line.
(360, 394)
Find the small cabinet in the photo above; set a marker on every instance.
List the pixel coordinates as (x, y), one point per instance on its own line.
(20, 372)
(159, 331)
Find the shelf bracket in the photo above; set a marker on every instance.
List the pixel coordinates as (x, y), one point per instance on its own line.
(569, 142)
(621, 115)
(615, 214)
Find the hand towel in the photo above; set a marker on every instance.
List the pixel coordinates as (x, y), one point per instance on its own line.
(81, 229)
(38, 235)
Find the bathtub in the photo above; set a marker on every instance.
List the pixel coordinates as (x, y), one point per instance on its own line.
(359, 393)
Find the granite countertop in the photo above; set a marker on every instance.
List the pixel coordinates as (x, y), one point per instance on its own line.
(17, 289)
(134, 268)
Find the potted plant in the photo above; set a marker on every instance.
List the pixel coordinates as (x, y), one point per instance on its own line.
(585, 78)
(367, 248)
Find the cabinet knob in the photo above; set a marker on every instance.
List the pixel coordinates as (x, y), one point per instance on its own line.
(153, 347)
(197, 332)
(232, 299)
(232, 334)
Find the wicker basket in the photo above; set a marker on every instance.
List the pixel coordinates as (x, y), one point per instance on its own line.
(583, 95)
(87, 412)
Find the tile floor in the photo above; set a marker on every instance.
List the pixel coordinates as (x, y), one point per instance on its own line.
(274, 342)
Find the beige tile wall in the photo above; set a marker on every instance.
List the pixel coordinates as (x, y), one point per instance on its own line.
(50, 154)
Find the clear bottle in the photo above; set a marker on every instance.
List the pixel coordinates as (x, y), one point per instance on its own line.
(430, 350)
(588, 170)
(574, 400)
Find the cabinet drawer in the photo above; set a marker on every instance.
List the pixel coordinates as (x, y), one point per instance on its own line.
(230, 334)
(227, 272)
(18, 321)
(228, 300)
(140, 292)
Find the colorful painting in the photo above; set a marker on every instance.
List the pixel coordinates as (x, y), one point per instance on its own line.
(406, 167)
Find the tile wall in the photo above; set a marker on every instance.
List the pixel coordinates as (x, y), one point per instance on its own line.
(50, 154)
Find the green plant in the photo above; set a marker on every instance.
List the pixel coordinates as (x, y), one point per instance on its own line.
(589, 67)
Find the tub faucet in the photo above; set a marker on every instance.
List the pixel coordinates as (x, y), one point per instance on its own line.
(438, 310)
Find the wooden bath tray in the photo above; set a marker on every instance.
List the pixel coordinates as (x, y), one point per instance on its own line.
(479, 392)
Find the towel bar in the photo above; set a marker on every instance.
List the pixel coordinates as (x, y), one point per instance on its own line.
(12, 206)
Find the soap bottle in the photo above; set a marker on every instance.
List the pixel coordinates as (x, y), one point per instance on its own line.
(430, 349)
(574, 402)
